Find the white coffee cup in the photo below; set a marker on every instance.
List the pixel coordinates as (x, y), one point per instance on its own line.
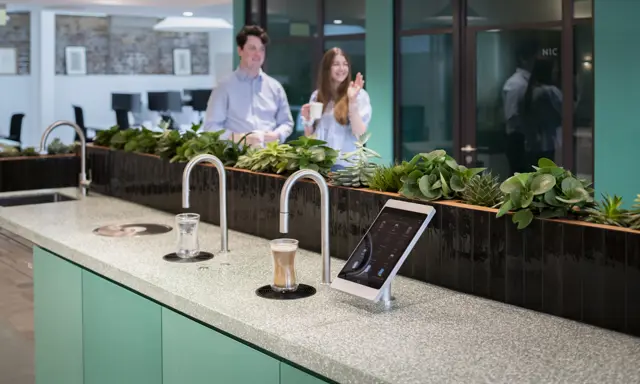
(315, 110)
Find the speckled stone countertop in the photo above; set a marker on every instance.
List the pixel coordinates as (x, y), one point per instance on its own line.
(432, 335)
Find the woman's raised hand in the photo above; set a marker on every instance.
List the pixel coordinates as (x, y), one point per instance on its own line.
(355, 87)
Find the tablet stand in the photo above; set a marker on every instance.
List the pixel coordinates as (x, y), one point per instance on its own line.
(386, 297)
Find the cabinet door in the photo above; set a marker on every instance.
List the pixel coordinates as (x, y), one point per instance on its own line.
(291, 375)
(57, 300)
(196, 354)
(122, 334)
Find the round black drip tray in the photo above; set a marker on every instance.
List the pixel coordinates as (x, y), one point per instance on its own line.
(173, 258)
(302, 292)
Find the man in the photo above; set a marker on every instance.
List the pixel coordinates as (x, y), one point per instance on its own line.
(513, 93)
(249, 100)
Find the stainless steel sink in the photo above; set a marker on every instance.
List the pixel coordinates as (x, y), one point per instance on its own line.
(41, 198)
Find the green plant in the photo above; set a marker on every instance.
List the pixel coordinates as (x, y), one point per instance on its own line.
(103, 138)
(435, 175)
(210, 143)
(609, 211)
(634, 215)
(387, 178)
(549, 192)
(308, 153)
(7, 151)
(361, 171)
(483, 190)
(271, 159)
(29, 151)
(57, 147)
(120, 139)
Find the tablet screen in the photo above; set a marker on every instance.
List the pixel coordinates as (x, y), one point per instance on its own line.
(382, 247)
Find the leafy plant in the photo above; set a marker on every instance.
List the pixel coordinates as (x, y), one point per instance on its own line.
(387, 178)
(57, 147)
(168, 141)
(103, 138)
(609, 211)
(361, 171)
(206, 142)
(308, 153)
(120, 139)
(435, 175)
(634, 215)
(210, 143)
(549, 192)
(29, 151)
(483, 190)
(270, 159)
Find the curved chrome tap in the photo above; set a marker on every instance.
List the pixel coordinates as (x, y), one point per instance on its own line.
(324, 214)
(223, 192)
(84, 182)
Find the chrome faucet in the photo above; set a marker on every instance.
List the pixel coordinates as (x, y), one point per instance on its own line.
(324, 214)
(84, 183)
(223, 192)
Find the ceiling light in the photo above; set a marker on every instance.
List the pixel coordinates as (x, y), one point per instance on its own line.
(192, 24)
(337, 21)
(187, 14)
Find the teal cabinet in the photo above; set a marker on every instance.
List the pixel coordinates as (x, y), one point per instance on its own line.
(291, 375)
(57, 291)
(122, 334)
(196, 354)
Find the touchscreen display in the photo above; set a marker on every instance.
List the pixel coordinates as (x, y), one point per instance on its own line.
(381, 248)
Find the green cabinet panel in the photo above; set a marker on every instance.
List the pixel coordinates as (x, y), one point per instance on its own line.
(57, 290)
(122, 334)
(196, 354)
(291, 375)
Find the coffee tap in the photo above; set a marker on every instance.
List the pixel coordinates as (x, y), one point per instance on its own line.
(84, 182)
(223, 192)
(324, 214)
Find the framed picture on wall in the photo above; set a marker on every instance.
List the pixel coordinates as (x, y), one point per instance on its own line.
(76, 60)
(182, 62)
(8, 61)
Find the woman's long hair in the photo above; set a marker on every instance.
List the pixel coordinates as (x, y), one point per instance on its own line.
(325, 89)
(541, 74)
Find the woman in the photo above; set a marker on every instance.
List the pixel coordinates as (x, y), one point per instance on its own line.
(346, 111)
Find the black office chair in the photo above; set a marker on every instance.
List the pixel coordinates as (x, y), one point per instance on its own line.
(122, 119)
(79, 114)
(15, 127)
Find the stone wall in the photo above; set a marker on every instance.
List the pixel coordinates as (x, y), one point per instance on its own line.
(123, 45)
(17, 34)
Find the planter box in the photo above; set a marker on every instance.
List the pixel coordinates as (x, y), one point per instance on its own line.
(580, 271)
(39, 172)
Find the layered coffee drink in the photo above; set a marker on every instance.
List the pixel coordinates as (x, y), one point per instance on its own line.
(283, 253)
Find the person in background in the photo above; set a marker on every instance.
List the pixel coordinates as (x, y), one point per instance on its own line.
(512, 96)
(346, 109)
(542, 113)
(249, 101)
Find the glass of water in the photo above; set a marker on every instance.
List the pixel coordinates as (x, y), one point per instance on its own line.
(187, 224)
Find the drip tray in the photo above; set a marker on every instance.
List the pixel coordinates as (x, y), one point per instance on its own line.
(302, 292)
(202, 256)
(132, 230)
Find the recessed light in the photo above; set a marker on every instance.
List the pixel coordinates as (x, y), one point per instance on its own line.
(337, 21)
(187, 14)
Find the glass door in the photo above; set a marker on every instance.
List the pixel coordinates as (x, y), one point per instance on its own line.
(514, 98)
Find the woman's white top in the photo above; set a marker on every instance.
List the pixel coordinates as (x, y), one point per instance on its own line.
(340, 137)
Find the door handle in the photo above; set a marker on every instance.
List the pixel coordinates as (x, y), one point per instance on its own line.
(468, 149)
